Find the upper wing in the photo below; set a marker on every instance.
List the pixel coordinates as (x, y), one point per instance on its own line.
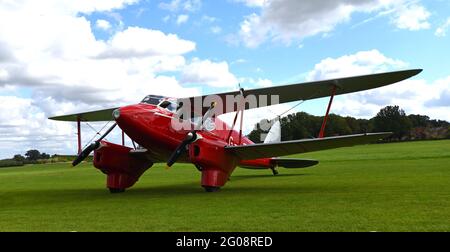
(255, 151)
(92, 116)
(311, 90)
(287, 93)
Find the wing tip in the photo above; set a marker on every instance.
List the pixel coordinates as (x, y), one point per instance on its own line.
(415, 71)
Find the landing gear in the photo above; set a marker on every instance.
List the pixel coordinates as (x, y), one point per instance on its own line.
(211, 188)
(274, 171)
(199, 168)
(116, 190)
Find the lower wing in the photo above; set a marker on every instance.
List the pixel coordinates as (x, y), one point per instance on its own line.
(255, 151)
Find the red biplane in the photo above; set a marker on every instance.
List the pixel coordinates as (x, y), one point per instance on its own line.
(214, 148)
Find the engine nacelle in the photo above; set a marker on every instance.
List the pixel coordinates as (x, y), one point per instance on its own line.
(215, 162)
(122, 169)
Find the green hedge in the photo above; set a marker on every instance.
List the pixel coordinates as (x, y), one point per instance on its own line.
(10, 163)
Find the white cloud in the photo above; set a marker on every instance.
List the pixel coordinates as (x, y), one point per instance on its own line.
(239, 61)
(179, 5)
(264, 83)
(181, 19)
(64, 7)
(258, 83)
(215, 74)
(216, 29)
(26, 127)
(288, 20)
(415, 96)
(136, 41)
(103, 24)
(413, 17)
(360, 63)
(209, 19)
(441, 31)
(72, 71)
(252, 31)
(253, 3)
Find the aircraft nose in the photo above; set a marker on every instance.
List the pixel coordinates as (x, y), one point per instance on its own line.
(116, 114)
(123, 113)
(126, 114)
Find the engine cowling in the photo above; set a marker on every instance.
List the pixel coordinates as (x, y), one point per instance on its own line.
(216, 164)
(122, 169)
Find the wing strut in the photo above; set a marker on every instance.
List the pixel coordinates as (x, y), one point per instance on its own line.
(79, 134)
(324, 123)
(240, 110)
(242, 114)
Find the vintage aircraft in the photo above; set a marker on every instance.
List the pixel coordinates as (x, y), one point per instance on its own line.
(214, 148)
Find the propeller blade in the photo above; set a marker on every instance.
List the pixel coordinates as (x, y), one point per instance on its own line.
(85, 153)
(190, 137)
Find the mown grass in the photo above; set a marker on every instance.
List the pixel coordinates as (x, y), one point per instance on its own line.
(381, 187)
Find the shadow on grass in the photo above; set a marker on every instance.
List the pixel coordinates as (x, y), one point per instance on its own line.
(256, 176)
(182, 191)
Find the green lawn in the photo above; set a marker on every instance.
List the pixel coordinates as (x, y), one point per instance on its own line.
(382, 187)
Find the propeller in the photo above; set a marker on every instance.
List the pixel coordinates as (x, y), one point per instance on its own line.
(190, 137)
(85, 153)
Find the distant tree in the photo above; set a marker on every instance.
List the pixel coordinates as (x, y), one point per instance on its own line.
(365, 126)
(255, 135)
(44, 156)
(354, 124)
(33, 155)
(299, 126)
(18, 158)
(419, 120)
(392, 118)
(337, 125)
(438, 123)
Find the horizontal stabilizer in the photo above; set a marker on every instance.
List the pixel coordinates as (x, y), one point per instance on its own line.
(255, 151)
(293, 162)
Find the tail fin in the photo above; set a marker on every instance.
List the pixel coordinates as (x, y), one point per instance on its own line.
(274, 135)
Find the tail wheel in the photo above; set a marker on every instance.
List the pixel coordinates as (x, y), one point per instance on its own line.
(274, 171)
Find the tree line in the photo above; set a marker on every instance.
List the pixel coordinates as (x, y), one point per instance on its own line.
(302, 125)
(31, 157)
(36, 157)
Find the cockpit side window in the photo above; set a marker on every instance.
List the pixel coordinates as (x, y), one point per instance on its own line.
(152, 99)
(169, 105)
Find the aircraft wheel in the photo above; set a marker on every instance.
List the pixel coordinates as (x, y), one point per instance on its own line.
(116, 190)
(274, 171)
(211, 188)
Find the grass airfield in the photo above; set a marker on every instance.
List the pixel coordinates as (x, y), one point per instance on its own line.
(380, 187)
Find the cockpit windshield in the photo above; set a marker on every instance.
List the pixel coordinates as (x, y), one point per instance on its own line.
(152, 99)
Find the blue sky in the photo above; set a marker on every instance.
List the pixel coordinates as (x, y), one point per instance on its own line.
(69, 56)
(280, 61)
(284, 63)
